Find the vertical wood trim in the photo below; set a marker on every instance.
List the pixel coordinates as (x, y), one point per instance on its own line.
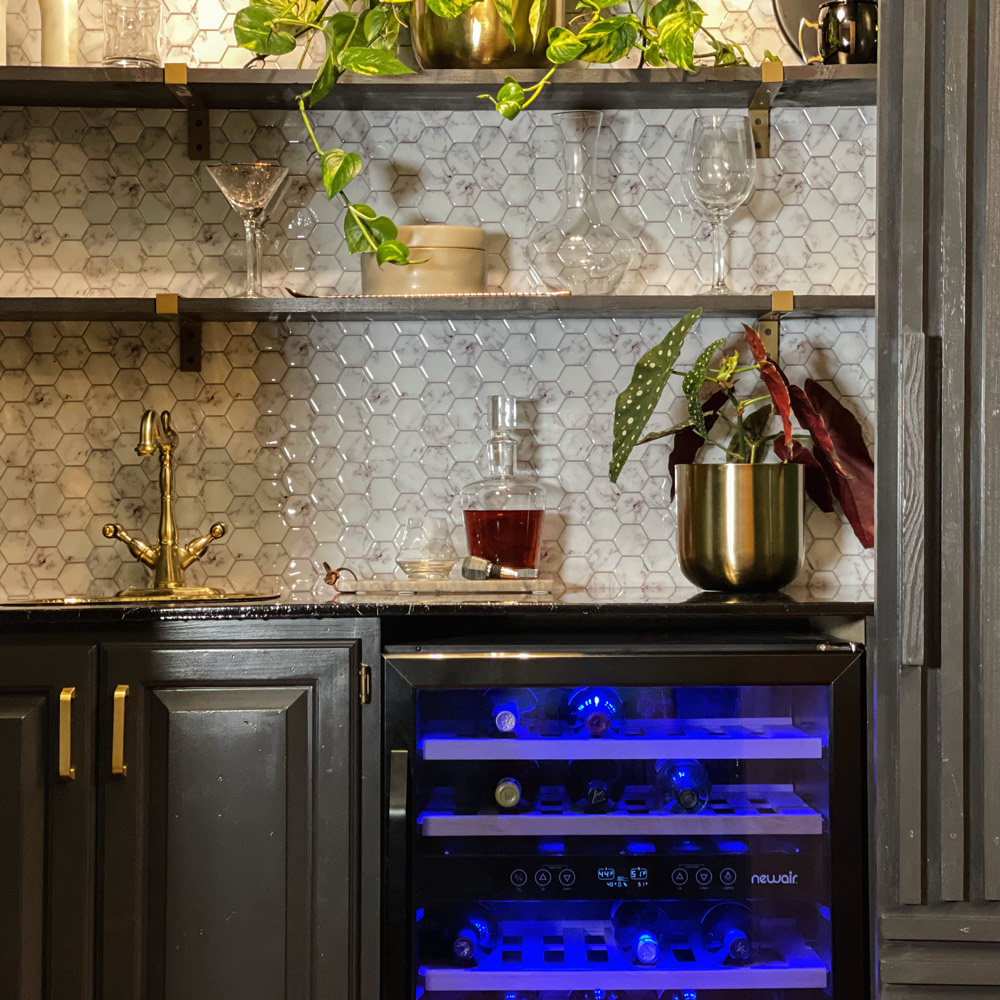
(913, 168)
(912, 509)
(990, 636)
(910, 791)
(953, 539)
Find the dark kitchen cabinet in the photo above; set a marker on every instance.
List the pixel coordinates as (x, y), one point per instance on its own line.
(47, 821)
(229, 780)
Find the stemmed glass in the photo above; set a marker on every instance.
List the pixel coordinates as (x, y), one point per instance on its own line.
(249, 188)
(719, 167)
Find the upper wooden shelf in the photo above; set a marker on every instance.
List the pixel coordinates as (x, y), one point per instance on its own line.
(440, 90)
(454, 307)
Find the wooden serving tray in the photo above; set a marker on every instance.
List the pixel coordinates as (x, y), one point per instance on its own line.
(541, 585)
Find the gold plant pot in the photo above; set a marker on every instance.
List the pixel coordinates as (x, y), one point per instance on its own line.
(476, 39)
(739, 527)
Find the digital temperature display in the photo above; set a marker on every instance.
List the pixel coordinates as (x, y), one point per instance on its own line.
(633, 876)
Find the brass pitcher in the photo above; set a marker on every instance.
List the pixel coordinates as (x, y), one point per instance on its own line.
(740, 527)
(477, 40)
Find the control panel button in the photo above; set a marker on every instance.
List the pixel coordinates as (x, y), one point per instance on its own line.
(567, 877)
(543, 877)
(518, 877)
(727, 876)
(703, 877)
(679, 876)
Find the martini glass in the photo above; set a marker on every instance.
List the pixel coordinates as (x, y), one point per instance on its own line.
(249, 188)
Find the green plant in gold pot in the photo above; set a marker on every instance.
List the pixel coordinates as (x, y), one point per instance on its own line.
(740, 521)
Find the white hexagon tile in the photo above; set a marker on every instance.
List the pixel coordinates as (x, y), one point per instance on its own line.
(312, 442)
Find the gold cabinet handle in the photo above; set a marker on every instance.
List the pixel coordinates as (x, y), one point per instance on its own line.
(66, 769)
(118, 732)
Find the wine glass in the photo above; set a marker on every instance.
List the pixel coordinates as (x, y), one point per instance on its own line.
(249, 188)
(719, 167)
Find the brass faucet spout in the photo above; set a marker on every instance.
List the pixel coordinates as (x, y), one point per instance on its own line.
(155, 434)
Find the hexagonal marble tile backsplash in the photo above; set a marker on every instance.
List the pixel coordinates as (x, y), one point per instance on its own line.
(314, 442)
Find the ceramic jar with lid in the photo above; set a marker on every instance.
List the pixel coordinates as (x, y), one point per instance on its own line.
(448, 260)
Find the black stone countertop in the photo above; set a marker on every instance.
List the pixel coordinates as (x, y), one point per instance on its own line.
(687, 604)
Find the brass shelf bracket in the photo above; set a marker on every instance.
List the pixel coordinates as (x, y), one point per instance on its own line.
(769, 325)
(175, 77)
(772, 76)
(188, 332)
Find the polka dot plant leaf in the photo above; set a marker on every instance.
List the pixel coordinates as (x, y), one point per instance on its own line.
(635, 405)
(694, 380)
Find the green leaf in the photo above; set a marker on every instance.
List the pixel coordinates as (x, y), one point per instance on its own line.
(376, 20)
(378, 227)
(656, 435)
(509, 109)
(769, 56)
(536, 17)
(450, 8)
(564, 46)
(372, 62)
(254, 30)
(339, 169)
(392, 251)
(326, 77)
(510, 91)
(676, 23)
(694, 380)
(505, 8)
(608, 39)
(635, 405)
(338, 31)
(755, 426)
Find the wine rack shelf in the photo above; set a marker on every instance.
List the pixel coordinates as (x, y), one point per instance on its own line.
(580, 955)
(704, 739)
(734, 810)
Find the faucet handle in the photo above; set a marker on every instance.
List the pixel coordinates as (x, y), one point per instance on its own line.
(196, 549)
(138, 548)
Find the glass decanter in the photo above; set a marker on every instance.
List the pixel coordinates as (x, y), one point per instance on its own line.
(503, 512)
(579, 252)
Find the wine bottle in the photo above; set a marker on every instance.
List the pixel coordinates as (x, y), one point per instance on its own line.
(726, 933)
(642, 931)
(595, 785)
(463, 935)
(595, 711)
(507, 706)
(682, 786)
(517, 785)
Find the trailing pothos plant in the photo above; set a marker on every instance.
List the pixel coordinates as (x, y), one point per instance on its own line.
(362, 38)
(837, 466)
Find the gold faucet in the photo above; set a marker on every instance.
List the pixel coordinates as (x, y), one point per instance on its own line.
(167, 559)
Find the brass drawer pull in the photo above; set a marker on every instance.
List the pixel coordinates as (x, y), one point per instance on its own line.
(66, 769)
(118, 765)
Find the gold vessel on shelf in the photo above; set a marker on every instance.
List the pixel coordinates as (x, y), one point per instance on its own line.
(476, 39)
(740, 527)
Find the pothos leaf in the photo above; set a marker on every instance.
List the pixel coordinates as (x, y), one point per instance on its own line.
(536, 17)
(339, 169)
(338, 31)
(372, 62)
(450, 8)
(324, 81)
(635, 405)
(775, 380)
(505, 8)
(689, 442)
(608, 39)
(694, 380)
(676, 23)
(392, 251)
(564, 46)
(255, 30)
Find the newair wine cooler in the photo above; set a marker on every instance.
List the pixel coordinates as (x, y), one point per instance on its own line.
(669, 823)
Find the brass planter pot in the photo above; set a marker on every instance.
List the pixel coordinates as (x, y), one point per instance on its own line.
(739, 527)
(476, 39)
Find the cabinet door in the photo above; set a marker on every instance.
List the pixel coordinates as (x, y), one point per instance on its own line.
(46, 822)
(229, 821)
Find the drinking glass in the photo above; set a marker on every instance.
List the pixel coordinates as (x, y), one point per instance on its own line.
(132, 33)
(719, 167)
(249, 188)
(425, 549)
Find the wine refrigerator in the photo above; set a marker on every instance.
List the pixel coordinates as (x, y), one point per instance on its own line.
(684, 822)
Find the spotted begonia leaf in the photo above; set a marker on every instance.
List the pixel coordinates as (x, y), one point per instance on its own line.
(635, 405)
(694, 380)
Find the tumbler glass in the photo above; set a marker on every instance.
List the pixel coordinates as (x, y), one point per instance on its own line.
(132, 33)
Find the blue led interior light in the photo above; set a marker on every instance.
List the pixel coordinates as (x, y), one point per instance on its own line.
(551, 847)
(641, 847)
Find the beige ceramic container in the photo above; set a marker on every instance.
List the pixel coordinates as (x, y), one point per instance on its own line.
(452, 262)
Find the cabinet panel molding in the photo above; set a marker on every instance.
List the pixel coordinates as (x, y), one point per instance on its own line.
(940, 963)
(959, 924)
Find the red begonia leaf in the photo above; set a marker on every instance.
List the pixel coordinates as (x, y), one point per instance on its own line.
(811, 420)
(817, 483)
(856, 490)
(775, 380)
(688, 442)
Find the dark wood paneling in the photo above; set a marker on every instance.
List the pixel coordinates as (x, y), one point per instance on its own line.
(947, 923)
(22, 845)
(891, 992)
(222, 876)
(946, 964)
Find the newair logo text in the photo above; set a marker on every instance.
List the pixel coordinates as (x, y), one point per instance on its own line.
(787, 878)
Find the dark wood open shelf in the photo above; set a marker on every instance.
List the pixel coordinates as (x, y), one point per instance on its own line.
(443, 90)
(291, 310)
